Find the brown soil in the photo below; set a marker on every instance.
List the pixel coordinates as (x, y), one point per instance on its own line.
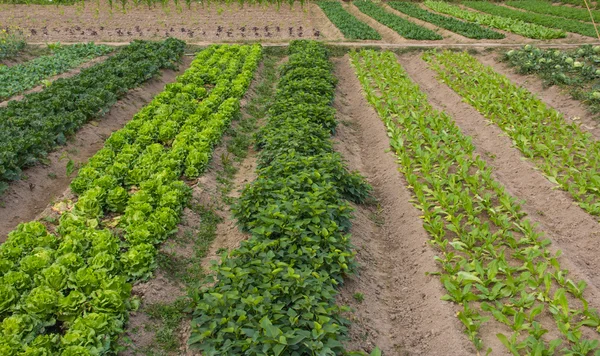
(67, 74)
(569, 227)
(556, 97)
(212, 22)
(28, 53)
(25, 199)
(402, 312)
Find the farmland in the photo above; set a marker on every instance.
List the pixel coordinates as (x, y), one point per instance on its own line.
(292, 178)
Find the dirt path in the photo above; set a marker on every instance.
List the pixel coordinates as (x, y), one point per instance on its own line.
(26, 199)
(66, 74)
(569, 227)
(554, 96)
(402, 312)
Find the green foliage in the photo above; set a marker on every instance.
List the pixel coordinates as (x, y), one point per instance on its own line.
(544, 7)
(494, 262)
(568, 156)
(71, 288)
(350, 26)
(21, 77)
(502, 23)
(560, 23)
(576, 69)
(403, 27)
(11, 43)
(466, 29)
(299, 222)
(31, 127)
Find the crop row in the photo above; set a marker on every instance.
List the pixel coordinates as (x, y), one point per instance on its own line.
(350, 26)
(575, 69)
(568, 156)
(494, 263)
(545, 7)
(67, 292)
(31, 127)
(560, 23)
(466, 29)
(502, 23)
(403, 27)
(275, 294)
(20, 77)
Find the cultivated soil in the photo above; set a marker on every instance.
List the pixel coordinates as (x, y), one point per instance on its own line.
(210, 22)
(25, 199)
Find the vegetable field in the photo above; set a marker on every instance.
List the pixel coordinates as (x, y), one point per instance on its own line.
(354, 178)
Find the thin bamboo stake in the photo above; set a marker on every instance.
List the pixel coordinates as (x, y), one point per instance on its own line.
(592, 17)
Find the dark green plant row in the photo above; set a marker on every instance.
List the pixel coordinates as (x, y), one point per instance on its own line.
(32, 127)
(545, 7)
(350, 26)
(467, 29)
(66, 290)
(578, 70)
(21, 77)
(403, 27)
(11, 43)
(275, 294)
(560, 23)
(502, 23)
(495, 265)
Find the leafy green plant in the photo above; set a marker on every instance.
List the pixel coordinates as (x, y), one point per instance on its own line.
(403, 27)
(534, 18)
(21, 77)
(350, 26)
(466, 29)
(502, 23)
(11, 43)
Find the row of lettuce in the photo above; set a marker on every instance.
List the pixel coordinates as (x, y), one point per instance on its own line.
(495, 263)
(32, 127)
(65, 289)
(275, 294)
(21, 77)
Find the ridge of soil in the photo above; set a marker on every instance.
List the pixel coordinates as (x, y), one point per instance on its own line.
(25, 199)
(554, 96)
(402, 313)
